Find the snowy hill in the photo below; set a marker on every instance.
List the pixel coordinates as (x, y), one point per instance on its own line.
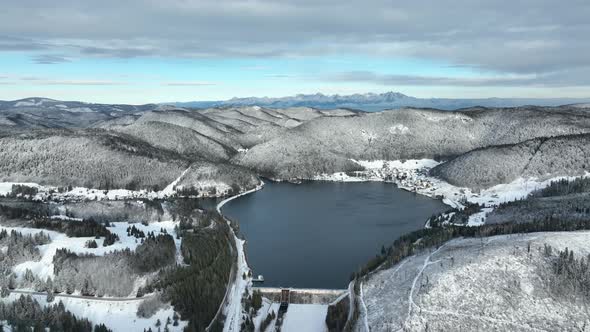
(281, 143)
(326, 145)
(541, 158)
(32, 113)
(501, 283)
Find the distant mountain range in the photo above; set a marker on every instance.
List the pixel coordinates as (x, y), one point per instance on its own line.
(378, 102)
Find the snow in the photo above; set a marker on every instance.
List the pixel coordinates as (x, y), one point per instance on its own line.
(265, 310)
(411, 303)
(44, 267)
(410, 164)
(305, 317)
(81, 193)
(442, 289)
(368, 136)
(204, 186)
(6, 187)
(80, 110)
(26, 103)
(32, 102)
(233, 310)
(169, 190)
(399, 129)
(363, 310)
(479, 218)
(116, 315)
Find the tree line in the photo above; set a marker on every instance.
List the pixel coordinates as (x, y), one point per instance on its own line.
(26, 314)
(197, 289)
(408, 244)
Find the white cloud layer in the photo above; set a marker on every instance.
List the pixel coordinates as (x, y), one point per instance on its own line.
(541, 42)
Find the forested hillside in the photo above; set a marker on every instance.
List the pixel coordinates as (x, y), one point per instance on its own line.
(149, 147)
(93, 159)
(323, 144)
(541, 158)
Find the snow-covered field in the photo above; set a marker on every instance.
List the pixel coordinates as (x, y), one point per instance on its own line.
(305, 317)
(491, 284)
(117, 315)
(44, 267)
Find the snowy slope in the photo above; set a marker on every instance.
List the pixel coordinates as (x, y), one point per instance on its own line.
(44, 267)
(491, 284)
(120, 316)
(305, 317)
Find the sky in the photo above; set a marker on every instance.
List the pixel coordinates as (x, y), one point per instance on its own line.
(141, 51)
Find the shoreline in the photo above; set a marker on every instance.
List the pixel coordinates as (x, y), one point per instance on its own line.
(231, 305)
(414, 178)
(223, 202)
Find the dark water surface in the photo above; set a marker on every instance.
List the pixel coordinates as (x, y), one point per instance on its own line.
(313, 235)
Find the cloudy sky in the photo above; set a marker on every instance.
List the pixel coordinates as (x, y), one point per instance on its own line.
(139, 51)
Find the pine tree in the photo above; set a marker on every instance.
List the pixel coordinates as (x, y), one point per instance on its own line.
(12, 282)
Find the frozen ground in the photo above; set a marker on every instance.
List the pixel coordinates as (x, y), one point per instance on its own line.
(491, 284)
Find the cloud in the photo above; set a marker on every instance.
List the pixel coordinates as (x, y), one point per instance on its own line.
(529, 37)
(278, 76)
(553, 79)
(255, 68)
(184, 83)
(78, 82)
(39, 80)
(415, 80)
(10, 44)
(49, 59)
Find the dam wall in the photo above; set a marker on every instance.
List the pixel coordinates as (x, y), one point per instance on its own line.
(303, 295)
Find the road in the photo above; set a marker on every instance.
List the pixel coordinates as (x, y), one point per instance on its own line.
(82, 297)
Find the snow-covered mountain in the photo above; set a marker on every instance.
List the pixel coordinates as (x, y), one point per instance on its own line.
(282, 143)
(379, 101)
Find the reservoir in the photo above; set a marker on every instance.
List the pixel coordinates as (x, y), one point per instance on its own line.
(315, 234)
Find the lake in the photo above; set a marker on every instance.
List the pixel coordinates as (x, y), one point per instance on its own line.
(315, 234)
